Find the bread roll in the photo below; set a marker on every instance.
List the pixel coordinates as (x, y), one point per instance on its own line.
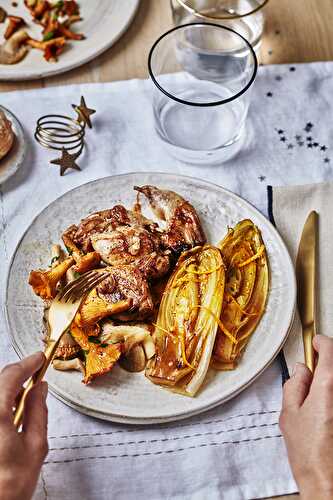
(6, 135)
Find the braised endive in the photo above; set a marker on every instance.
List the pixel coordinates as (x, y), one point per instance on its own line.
(245, 294)
(188, 320)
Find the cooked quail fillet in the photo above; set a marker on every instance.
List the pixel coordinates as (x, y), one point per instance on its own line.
(183, 227)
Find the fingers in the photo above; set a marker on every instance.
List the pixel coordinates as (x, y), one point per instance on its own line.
(35, 421)
(324, 347)
(323, 374)
(12, 378)
(296, 389)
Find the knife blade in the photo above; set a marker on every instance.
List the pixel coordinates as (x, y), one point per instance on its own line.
(306, 285)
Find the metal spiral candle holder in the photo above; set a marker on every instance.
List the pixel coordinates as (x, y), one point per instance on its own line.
(65, 134)
(60, 132)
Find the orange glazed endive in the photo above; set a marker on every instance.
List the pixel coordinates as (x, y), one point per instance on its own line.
(245, 292)
(186, 325)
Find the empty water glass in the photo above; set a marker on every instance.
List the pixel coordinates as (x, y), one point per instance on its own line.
(202, 73)
(244, 16)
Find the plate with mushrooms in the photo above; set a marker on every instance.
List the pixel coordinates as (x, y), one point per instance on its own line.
(197, 297)
(40, 38)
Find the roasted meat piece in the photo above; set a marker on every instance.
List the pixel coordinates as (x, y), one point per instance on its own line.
(106, 221)
(124, 244)
(128, 283)
(183, 227)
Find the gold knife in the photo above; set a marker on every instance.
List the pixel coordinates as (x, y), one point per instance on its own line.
(306, 284)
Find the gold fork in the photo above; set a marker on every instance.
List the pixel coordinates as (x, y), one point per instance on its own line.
(61, 314)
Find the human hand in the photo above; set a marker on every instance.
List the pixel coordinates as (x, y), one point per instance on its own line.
(22, 453)
(306, 422)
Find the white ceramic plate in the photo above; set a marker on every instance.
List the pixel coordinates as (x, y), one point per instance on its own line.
(131, 398)
(103, 22)
(10, 163)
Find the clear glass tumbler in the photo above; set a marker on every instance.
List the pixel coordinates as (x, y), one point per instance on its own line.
(244, 16)
(202, 73)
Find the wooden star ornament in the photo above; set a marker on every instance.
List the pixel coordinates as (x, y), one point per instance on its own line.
(66, 161)
(83, 112)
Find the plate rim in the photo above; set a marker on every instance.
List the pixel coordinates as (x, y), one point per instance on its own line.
(29, 76)
(180, 415)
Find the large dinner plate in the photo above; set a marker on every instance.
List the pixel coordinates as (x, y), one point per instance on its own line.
(103, 22)
(130, 397)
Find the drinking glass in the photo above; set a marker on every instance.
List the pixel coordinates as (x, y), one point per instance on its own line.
(201, 74)
(244, 16)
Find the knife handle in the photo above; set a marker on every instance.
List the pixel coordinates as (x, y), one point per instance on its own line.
(308, 334)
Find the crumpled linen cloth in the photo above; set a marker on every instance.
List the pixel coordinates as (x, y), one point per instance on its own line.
(235, 451)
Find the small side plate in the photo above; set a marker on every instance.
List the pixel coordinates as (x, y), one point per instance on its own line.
(10, 163)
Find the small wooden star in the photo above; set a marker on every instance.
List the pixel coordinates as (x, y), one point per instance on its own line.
(66, 161)
(323, 148)
(84, 112)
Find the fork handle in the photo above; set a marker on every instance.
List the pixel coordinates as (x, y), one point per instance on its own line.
(37, 377)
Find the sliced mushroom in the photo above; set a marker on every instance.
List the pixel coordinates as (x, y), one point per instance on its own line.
(131, 335)
(68, 364)
(135, 360)
(67, 348)
(13, 50)
(149, 347)
(15, 23)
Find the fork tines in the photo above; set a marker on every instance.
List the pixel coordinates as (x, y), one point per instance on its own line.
(75, 289)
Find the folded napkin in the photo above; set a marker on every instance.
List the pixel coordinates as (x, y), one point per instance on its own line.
(235, 451)
(290, 207)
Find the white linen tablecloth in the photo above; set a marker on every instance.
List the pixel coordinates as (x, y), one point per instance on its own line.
(235, 451)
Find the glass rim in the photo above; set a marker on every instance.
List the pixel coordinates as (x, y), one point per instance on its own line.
(197, 13)
(202, 104)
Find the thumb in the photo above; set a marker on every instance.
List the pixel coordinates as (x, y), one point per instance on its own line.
(296, 389)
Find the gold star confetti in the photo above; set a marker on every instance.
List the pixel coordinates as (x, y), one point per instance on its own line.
(84, 112)
(66, 161)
